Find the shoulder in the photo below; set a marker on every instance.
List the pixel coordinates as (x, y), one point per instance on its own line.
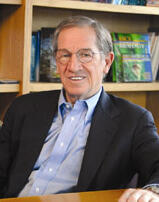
(126, 109)
(122, 103)
(29, 101)
(36, 97)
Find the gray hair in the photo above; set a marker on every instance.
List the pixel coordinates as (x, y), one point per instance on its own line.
(104, 41)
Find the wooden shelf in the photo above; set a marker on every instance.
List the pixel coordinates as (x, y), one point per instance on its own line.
(12, 2)
(9, 88)
(121, 87)
(109, 87)
(35, 87)
(92, 6)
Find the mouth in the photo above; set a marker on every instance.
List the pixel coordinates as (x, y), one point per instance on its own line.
(76, 78)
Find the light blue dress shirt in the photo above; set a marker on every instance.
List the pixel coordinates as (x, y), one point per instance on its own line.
(58, 166)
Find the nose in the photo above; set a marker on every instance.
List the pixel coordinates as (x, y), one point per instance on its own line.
(74, 64)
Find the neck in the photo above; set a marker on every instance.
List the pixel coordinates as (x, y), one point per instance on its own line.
(71, 98)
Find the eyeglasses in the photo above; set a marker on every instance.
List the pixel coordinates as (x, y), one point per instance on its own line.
(63, 56)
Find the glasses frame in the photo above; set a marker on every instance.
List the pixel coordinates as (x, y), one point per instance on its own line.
(77, 55)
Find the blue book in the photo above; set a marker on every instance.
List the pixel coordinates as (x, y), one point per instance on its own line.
(35, 56)
(124, 2)
(117, 2)
(137, 2)
(33, 50)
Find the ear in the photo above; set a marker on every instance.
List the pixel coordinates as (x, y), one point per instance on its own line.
(108, 61)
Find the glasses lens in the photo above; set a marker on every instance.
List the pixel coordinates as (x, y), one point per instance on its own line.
(85, 55)
(63, 56)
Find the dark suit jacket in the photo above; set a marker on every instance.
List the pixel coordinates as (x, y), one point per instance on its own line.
(122, 141)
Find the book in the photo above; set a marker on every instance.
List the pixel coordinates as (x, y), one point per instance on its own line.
(117, 2)
(35, 56)
(157, 75)
(33, 50)
(124, 2)
(136, 68)
(154, 50)
(127, 44)
(47, 62)
(137, 2)
(152, 3)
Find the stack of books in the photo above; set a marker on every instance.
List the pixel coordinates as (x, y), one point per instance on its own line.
(132, 61)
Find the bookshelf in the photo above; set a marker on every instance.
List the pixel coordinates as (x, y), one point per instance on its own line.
(18, 18)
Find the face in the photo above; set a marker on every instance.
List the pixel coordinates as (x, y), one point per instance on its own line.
(81, 80)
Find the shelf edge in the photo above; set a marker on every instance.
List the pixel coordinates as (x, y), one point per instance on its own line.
(109, 87)
(9, 88)
(11, 2)
(93, 6)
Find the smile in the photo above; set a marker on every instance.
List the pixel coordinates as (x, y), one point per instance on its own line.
(76, 78)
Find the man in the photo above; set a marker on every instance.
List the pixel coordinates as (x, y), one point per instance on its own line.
(79, 138)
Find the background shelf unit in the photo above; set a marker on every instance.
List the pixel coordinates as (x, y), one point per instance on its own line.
(19, 18)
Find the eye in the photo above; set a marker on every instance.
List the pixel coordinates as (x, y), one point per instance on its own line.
(65, 55)
(85, 54)
(62, 54)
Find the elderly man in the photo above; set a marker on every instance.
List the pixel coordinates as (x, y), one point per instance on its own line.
(79, 138)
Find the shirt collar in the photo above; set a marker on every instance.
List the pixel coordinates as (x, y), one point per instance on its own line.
(90, 103)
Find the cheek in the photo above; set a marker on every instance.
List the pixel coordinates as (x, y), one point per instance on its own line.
(60, 69)
(99, 71)
(95, 72)
(96, 75)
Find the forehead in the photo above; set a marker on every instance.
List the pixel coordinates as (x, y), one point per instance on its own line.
(76, 38)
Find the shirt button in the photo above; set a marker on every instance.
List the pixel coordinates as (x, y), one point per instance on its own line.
(67, 106)
(62, 144)
(72, 118)
(37, 189)
(50, 169)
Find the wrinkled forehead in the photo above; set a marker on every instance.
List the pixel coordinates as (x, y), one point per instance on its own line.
(79, 37)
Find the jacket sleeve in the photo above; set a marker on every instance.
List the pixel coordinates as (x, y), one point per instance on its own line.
(6, 147)
(146, 150)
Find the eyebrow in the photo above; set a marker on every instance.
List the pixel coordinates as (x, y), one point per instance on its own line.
(62, 49)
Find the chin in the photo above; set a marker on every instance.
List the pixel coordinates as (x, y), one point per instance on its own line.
(76, 93)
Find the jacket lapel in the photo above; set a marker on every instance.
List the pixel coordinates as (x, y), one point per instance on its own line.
(103, 128)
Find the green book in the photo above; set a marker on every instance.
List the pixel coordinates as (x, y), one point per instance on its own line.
(136, 68)
(127, 44)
